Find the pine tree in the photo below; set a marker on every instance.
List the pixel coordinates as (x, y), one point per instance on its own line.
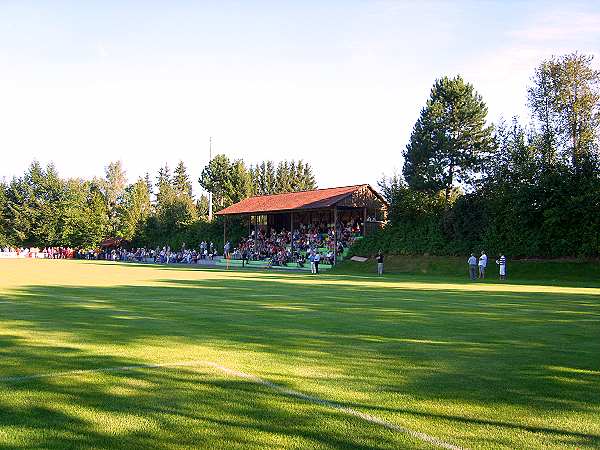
(282, 178)
(113, 187)
(149, 185)
(308, 179)
(449, 139)
(269, 179)
(181, 180)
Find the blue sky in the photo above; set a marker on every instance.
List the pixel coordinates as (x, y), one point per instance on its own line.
(339, 83)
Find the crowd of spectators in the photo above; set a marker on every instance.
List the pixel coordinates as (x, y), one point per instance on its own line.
(284, 247)
(277, 248)
(35, 252)
(158, 255)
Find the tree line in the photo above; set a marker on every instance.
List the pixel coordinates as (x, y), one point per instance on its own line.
(527, 190)
(41, 209)
(524, 189)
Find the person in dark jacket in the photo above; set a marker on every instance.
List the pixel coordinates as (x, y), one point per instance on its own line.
(380, 263)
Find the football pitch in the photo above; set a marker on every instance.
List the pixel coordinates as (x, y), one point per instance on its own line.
(101, 355)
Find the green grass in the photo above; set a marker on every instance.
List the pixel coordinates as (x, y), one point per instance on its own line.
(479, 365)
(456, 267)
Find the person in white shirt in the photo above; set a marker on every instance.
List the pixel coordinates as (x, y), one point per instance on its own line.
(316, 260)
(472, 261)
(502, 265)
(482, 264)
(311, 258)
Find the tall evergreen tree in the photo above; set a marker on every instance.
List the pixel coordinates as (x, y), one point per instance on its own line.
(181, 180)
(449, 140)
(308, 178)
(269, 178)
(164, 176)
(113, 187)
(3, 218)
(32, 206)
(283, 178)
(149, 185)
(287, 176)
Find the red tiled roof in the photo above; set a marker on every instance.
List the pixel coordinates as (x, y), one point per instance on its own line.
(319, 198)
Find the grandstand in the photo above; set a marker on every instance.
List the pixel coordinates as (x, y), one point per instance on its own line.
(293, 224)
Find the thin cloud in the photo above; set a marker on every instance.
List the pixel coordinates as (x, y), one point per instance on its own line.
(560, 26)
(102, 52)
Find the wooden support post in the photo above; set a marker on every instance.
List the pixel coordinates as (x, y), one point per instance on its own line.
(292, 233)
(224, 232)
(255, 227)
(364, 221)
(335, 220)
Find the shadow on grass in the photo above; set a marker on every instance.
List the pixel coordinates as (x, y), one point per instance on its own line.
(537, 352)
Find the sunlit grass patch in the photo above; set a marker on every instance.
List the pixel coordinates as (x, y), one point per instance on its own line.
(486, 365)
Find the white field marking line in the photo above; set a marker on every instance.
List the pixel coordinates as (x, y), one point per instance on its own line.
(257, 380)
(333, 405)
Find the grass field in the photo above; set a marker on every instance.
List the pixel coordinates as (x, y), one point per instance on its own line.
(482, 365)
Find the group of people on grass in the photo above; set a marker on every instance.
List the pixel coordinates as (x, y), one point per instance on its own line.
(477, 267)
(35, 252)
(165, 255)
(275, 248)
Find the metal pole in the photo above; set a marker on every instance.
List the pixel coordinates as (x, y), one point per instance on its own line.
(335, 219)
(292, 233)
(210, 208)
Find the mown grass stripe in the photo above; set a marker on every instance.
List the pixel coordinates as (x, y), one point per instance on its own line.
(254, 379)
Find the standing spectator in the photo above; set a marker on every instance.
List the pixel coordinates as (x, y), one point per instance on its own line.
(482, 264)
(472, 261)
(317, 259)
(226, 249)
(379, 263)
(311, 258)
(502, 266)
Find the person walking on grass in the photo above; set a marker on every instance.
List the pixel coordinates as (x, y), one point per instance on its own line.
(482, 265)
(379, 263)
(502, 266)
(472, 261)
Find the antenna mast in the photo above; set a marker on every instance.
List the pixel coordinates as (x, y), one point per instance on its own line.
(210, 212)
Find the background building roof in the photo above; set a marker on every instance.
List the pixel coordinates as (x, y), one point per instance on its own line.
(316, 199)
